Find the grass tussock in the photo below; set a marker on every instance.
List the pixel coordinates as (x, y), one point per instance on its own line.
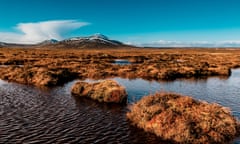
(149, 64)
(39, 76)
(183, 119)
(106, 91)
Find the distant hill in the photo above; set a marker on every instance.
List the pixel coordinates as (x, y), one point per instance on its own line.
(2, 44)
(7, 45)
(93, 41)
(51, 41)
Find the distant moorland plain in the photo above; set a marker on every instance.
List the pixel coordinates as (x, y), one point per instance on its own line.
(55, 66)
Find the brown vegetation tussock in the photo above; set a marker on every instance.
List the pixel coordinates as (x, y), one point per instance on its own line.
(39, 76)
(20, 65)
(105, 91)
(183, 119)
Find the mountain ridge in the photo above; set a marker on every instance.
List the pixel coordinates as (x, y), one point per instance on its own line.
(93, 41)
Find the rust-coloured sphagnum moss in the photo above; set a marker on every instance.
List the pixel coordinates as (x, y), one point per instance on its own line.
(183, 119)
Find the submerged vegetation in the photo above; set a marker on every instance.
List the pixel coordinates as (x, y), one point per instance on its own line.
(183, 119)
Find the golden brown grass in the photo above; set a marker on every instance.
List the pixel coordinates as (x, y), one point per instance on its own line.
(105, 91)
(150, 64)
(183, 119)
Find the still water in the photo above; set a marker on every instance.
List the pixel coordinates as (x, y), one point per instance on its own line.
(33, 115)
(122, 62)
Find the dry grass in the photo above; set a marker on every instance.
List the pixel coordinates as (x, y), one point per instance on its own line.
(183, 119)
(105, 91)
(150, 64)
(39, 76)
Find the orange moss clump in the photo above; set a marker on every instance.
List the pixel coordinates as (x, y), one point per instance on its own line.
(106, 91)
(58, 65)
(183, 119)
(39, 76)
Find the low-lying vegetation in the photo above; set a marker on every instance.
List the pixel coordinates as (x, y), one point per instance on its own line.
(105, 91)
(39, 76)
(20, 65)
(170, 116)
(183, 119)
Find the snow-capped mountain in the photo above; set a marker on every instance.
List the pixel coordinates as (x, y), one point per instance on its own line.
(94, 40)
(93, 37)
(51, 41)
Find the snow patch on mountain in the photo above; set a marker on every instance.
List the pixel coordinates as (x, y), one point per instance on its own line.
(98, 38)
(51, 41)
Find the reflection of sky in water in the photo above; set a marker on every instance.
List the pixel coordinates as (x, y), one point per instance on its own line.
(26, 100)
(222, 91)
(122, 62)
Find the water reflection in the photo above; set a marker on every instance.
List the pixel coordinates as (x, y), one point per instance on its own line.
(222, 91)
(32, 115)
(122, 62)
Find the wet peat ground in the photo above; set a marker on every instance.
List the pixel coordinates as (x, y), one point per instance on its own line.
(51, 115)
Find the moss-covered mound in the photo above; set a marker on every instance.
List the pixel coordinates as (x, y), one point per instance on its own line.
(183, 119)
(38, 76)
(106, 91)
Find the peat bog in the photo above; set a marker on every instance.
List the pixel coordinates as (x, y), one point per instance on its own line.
(53, 70)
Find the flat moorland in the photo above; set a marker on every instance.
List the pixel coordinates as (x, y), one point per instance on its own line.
(54, 66)
(173, 117)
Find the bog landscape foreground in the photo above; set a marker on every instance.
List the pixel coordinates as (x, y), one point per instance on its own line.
(51, 67)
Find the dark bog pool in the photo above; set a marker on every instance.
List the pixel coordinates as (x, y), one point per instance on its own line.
(32, 115)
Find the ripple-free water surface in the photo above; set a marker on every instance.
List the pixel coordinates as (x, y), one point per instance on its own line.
(32, 115)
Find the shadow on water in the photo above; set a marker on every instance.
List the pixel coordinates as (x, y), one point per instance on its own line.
(33, 115)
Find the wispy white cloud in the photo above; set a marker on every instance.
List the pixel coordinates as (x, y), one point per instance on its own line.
(166, 43)
(40, 31)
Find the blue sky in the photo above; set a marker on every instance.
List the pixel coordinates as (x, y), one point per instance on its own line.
(142, 22)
